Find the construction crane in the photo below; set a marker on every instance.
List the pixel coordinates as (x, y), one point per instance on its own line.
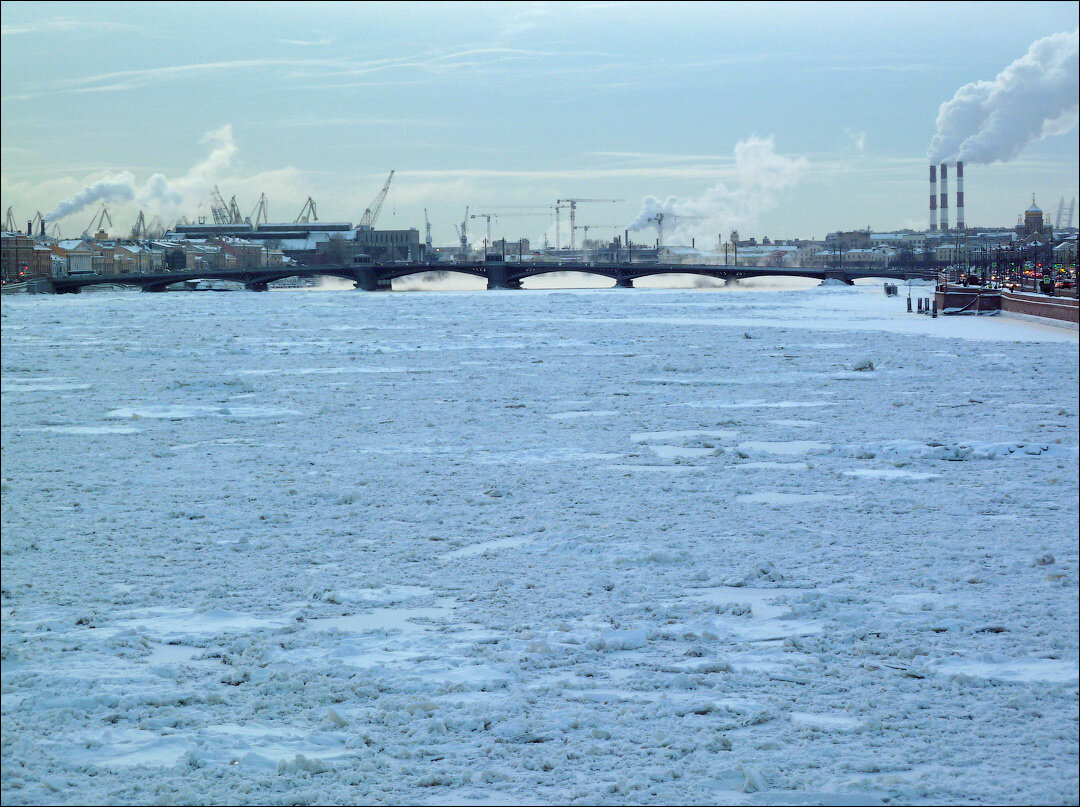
(586, 227)
(659, 218)
(557, 208)
(373, 210)
(572, 204)
(156, 228)
(138, 232)
(489, 217)
(97, 224)
(307, 213)
(9, 222)
(427, 231)
(218, 207)
(261, 212)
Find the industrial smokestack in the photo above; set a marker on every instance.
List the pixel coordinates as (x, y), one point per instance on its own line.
(944, 198)
(959, 195)
(933, 198)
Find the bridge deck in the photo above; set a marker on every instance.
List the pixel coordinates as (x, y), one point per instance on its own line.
(499, 274)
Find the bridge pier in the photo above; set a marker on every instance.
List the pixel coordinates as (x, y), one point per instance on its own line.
(498, 277)
(367, 279)
(259, 285)
(624, 282)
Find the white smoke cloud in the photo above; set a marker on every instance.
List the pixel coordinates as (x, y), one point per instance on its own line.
(762, 175)
(119, 188)
(160, 195)
(1032, 98)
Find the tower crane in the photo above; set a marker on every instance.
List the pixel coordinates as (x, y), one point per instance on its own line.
(307, 213)
(489, 217)
(372, 211)
(555, 207)
(572, 204)
(659, 218)
(586, 227)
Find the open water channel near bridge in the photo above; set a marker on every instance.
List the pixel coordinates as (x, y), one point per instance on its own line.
(604, 546)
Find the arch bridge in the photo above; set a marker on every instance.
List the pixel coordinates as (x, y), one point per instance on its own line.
(497, 274)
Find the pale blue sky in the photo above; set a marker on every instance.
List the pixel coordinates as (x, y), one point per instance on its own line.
(495, 105)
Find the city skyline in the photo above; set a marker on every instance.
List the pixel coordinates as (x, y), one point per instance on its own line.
(741, 112)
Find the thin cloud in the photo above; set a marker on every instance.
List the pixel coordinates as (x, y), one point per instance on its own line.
(60, 25)
(304, 43)
(458, 63)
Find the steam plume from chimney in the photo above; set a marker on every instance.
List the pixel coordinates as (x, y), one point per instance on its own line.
(1032, 98)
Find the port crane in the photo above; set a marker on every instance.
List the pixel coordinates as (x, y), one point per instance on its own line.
(97, 223)
(463, 236)
(9, 222)
(1061, 214)
(261, 212)
(218, 208)
(235, 216)
(307, 213)
(373, 210)
(138, 232)
(572, 204)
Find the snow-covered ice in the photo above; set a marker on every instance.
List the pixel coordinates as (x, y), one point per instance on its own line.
(542, 546)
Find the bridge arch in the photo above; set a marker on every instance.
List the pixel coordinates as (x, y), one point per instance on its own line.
(587, 274)
(460, 278)
(392, 272)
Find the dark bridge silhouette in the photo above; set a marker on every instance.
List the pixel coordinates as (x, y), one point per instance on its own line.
(498, 274)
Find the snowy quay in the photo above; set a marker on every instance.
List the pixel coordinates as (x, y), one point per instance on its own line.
(770, 543)
(499, 274)
(1062, 309)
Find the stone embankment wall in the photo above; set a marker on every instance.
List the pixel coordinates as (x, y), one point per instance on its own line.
(975, 300)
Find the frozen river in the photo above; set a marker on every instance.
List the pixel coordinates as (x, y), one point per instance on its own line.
(540, 546)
